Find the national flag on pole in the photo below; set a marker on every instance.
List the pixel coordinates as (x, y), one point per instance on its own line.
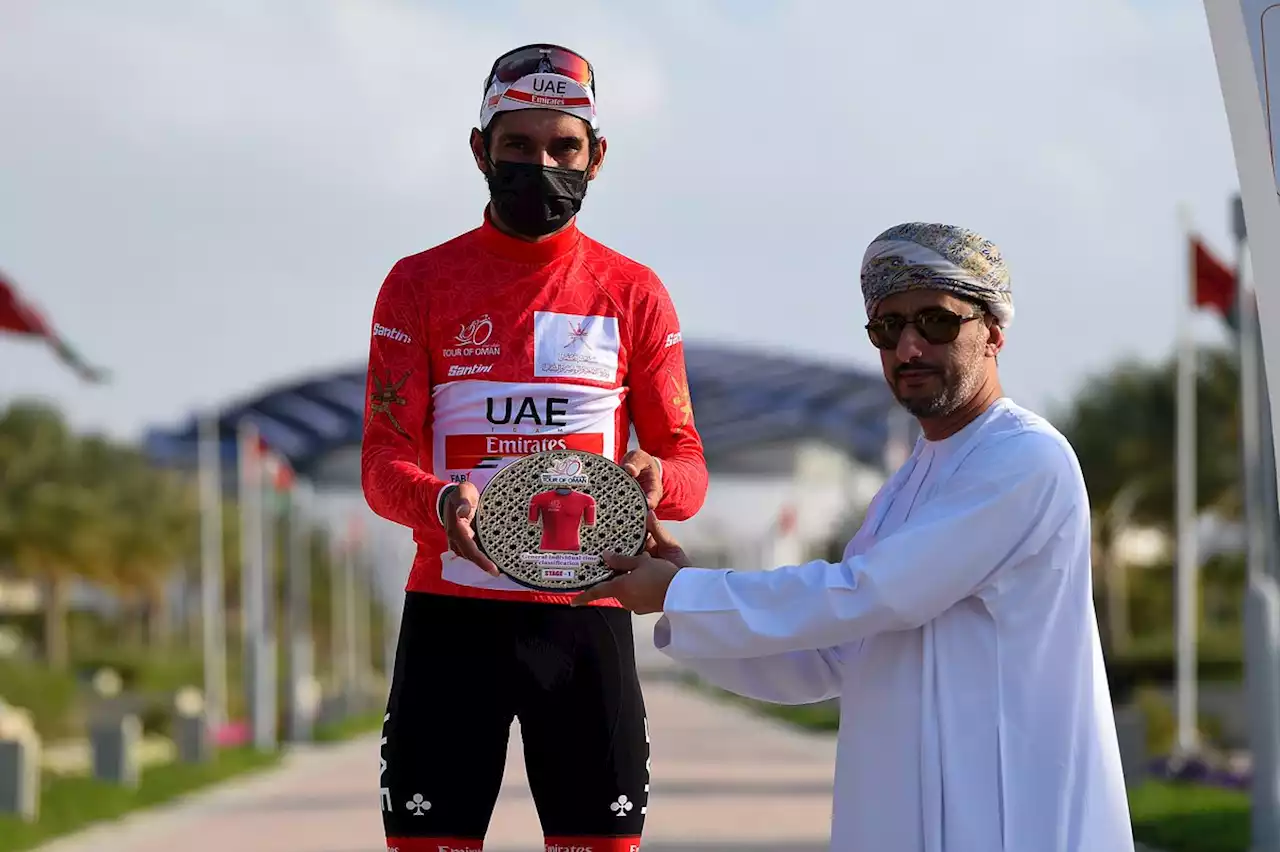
(787, 519)
(19, 317)
(277, 473)
(1213, 282)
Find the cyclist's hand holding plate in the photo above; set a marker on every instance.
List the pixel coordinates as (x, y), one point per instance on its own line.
(459, 514)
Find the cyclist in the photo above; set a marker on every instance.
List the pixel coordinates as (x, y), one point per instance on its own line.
(519, 336)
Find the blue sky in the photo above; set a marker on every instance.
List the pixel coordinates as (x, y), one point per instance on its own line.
(204, 197)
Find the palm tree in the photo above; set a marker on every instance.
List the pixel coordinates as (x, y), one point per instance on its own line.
(51, 522)
(151, 530)
(1123, 425)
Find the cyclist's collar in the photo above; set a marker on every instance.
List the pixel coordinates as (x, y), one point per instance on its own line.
(542, 251)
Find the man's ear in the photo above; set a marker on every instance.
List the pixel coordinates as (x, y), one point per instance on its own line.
(598, 161)
(478, 151)
(995, 338)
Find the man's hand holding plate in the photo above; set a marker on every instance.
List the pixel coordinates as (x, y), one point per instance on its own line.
(642, 581)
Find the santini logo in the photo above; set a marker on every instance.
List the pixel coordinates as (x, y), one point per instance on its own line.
(673, 338)
(456, 370)
(392, 333)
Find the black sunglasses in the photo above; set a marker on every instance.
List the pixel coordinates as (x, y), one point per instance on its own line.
(936, 325)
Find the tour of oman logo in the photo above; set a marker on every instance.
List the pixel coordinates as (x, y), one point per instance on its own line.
(474, 338)
(477, 333)
(565, 471)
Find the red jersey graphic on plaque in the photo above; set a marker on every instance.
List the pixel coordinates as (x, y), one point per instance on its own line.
(563, 511)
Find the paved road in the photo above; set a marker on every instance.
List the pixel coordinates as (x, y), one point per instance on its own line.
(723, 779)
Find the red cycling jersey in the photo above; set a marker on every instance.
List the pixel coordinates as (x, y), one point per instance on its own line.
(562, 517)
(487, 348)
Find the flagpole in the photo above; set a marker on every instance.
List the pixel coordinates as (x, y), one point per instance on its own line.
(251, 574)
(213, 606)
(349, 670)
(301, 651)
(1186, 502)
(266, 733)
(337, 611)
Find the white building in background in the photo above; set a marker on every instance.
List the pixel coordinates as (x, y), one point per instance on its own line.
(780, 503)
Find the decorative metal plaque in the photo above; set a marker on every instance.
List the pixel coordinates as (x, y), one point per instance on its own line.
(545, 519)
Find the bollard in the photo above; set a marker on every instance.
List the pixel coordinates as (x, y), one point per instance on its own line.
(191, 734)
(332, 710)
(308, 699)
(114, 744)
(19, 765)
(107, 683)
(1131, 732)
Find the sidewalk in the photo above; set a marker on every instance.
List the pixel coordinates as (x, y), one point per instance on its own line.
(723, 779)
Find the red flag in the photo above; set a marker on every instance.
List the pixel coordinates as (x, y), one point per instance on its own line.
(16, 315)
(20, 317)
(787, 520)
(275, 467)
(1213, 280)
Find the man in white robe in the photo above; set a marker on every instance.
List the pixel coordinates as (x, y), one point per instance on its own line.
(958, 631)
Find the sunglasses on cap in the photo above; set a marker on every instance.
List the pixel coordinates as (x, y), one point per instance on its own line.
(936, 325)
(541, 58)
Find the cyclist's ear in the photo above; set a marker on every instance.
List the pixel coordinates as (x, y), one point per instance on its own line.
(599, 147)
(478, 142)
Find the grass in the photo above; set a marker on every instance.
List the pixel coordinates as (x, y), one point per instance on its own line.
(365, 723)
(1187, 818)
(71, 804)
(1171, 817)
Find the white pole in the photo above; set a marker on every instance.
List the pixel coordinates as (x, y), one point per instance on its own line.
(213, 606)
(1231, 22)
(1186, 512)
(349, 654)
(337, 611)
(251, 571)
(1262, 603)
(266, 649)
(1231, 25)
(301, 647)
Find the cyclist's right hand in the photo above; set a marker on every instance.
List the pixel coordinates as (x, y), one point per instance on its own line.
(459, 515)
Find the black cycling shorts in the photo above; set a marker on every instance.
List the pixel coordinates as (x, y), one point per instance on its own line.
(465, 669)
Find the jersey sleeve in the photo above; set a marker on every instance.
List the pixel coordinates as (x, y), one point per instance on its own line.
(535, 506)
(397, 426)
(660, 407)
(589, 511)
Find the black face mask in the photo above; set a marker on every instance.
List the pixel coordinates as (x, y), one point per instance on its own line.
(535, 200)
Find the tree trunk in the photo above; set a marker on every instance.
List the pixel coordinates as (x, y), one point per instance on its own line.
(56, 603)
(133, 629)
(159, 617)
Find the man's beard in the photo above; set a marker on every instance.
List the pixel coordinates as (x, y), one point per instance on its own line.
(957, 388)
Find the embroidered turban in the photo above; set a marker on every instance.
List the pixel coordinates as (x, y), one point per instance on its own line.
(920, 255)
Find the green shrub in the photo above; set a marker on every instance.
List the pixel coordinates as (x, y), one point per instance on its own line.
(50, 696)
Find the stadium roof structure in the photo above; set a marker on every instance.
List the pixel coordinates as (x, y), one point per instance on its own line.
(741, 398)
